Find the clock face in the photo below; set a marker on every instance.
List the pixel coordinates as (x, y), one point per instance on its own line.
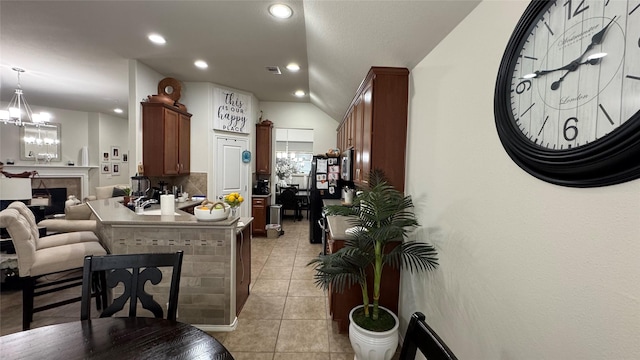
(569, 89)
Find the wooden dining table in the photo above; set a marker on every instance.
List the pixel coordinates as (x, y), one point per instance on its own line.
(113, 338)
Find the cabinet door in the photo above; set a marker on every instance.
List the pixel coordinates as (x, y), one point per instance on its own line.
(357, 143)
(243, 268)
(184, 145)
(367, 120)
(350, 131)
(171, 119)
(259, 213)
(263, 149)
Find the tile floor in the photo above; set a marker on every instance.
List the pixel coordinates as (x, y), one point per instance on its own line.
(286, 315)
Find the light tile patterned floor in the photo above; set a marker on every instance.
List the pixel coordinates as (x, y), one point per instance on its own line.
(285, 318)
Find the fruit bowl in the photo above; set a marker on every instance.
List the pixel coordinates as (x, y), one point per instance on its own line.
(210, 211)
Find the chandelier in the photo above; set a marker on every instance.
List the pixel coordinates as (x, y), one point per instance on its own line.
(13, 114)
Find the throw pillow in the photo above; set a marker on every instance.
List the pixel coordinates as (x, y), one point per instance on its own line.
(118, 192)
(77, 212)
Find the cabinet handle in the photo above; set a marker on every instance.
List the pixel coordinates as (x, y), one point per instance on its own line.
(177, 167)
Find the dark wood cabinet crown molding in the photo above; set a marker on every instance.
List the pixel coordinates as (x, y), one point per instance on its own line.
(375, 125)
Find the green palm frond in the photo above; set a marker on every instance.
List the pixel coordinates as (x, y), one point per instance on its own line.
(412, 255)
(381, 215)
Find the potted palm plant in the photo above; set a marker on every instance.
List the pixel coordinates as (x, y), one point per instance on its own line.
(381, 216)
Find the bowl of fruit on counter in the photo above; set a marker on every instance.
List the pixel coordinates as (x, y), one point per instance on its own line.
(212, 211)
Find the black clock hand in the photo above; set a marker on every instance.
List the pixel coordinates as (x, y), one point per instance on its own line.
(544, 72)
(596, 39)
(592, 60)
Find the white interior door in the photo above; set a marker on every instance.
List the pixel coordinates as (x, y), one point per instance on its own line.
(232, 175)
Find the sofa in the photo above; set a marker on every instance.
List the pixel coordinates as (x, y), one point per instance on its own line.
(105, 192)
(78, 216)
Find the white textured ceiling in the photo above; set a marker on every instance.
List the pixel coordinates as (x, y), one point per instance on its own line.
(76, 52)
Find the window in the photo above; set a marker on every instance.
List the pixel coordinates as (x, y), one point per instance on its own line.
(294, 152)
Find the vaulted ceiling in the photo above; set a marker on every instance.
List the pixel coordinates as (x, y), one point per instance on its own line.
(76, 53)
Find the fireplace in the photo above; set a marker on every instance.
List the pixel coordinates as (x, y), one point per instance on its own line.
(58, 197)
(74, 178)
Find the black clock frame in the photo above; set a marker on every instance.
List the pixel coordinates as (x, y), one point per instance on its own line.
(613, 159)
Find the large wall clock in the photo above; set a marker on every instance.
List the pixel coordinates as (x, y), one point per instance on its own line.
(567, 95)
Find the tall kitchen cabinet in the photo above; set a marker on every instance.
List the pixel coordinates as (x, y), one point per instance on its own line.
(260, 203)
(375, 125)
(263, 147)
(166, 140)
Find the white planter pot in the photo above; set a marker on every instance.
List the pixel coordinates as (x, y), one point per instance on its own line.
(372, 345)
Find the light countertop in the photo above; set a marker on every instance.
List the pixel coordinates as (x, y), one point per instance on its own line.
(337, 226)
(112, 212)
(330, 202)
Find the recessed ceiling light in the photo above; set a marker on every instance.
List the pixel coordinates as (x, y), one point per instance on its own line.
(157, 39)
(118, 111)
(281, 11)
(201, 64)
(299, 93)
(293, 67)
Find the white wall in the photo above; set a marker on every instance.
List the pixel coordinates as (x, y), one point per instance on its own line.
(74, 131)
(528, 270)
(113, 132)
(303, 116)
(197, 97)
(143, 81)
(78, 129)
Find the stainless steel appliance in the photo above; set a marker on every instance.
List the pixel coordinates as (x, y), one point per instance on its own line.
(140, 185)
(325, 183)
(346, 165)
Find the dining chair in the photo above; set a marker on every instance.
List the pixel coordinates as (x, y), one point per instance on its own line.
(37, 264)
(290, 201)
(420, 336)
(133, 271)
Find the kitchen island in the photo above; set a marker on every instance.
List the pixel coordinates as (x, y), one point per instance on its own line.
(216, 269)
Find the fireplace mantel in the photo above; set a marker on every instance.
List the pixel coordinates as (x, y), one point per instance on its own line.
(55, 171)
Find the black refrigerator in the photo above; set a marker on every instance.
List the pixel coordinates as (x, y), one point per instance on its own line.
(325, 183)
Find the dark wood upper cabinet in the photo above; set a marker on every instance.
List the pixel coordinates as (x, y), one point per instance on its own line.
(377, 119)
(166, 140)
(263, 147)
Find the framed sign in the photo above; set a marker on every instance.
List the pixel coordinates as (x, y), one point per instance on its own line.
(231, 111)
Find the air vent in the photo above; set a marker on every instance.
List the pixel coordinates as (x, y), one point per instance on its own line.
(274, 70)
